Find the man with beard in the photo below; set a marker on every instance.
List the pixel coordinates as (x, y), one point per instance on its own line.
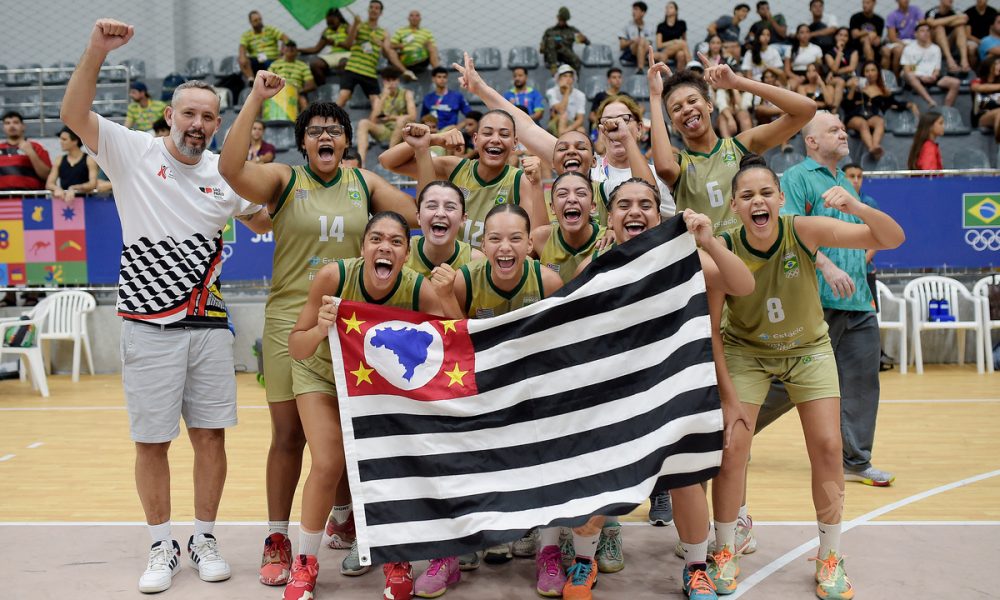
(177, 351)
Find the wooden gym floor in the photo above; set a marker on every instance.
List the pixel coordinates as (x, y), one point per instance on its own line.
(73, 527)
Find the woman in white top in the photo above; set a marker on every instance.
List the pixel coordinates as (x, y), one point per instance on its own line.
(762, 57)
(802, 54)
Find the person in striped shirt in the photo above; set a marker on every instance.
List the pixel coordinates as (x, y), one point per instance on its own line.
(415, 45)
(366, 41)
(334, 36)
(259, 45)
(295, 72)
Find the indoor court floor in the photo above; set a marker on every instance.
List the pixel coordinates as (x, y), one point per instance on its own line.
(73, 528)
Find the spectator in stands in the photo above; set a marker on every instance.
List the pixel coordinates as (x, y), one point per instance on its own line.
(841, 62)
(74, 172)
(714, 51)
(334, 36)
(614, 88)
(259, 45)
(925, 154)
(732, 55)
(415, 46)
(636, 38)
(557, 43)
(161, 128)
(866, 31)
(921, 64)
(260, 151)
(367, 40)
(986, 99)
(947, 28)
(469, 126)
(24, 164)
(443, 103)
(989, 46)
(728, 27)
(802, 54)
(392, 109)
(775, 23)
(826, 94)
(296, 72)
(981, 17)
(763, 57)
(823, 25)
(351, 158)
(865, 103)
(522, 94)
(567, 105)
(902, 26)
(765, 111)
(734, 111)
(671, 38)
(142, 111)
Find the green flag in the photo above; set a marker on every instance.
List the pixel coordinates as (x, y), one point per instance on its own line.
(310, 12)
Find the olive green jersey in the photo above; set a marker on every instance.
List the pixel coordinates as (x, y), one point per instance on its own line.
(483, 299)
(705, 182)
(315, 223)
(481, 196)
(600, 211)
(419, 262)
(564, 259)
(783, 316)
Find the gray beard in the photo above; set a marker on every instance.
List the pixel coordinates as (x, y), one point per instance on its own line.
(188, 151)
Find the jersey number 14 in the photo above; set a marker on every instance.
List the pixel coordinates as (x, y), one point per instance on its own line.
(329, 230)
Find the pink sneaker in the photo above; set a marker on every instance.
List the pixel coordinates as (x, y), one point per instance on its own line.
(549, 571)
(341, 534)
(441, 573)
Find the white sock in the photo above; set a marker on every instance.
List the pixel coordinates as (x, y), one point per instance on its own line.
(548, 536)
(725, 535)
(610, 522)
(277, 527)
(201, 528)
(309, 541)
(744, 512)
(340, 513)
(586, 545)
(695, 553)
(160, 533)
(829, 538)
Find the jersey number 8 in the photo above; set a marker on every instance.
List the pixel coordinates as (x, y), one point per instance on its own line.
(775, 313)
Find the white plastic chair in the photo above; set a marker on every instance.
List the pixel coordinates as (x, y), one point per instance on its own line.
(67, 321)
(885, 295)
(979, 290)
(32, 354)
(920, 291)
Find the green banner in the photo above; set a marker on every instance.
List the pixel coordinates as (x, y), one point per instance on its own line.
(310, 12)
(980, 210)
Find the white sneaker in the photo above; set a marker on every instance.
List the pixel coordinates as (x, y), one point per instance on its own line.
(526, 546)
(164, 563)
(206, 558)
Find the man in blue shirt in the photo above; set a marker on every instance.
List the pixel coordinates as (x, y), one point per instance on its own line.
(522, 94)
(443, 103)
(847, 302)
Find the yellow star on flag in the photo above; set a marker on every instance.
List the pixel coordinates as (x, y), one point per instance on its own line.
(363, 374)
(456, 376)
(449, 325)
(353, 323)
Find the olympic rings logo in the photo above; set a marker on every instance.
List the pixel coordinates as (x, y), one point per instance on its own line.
(983, 239)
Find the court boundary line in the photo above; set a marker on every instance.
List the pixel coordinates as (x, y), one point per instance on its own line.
(866, 519)
(625, 523)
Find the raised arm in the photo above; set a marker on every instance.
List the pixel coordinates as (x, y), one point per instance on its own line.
(724, 271)
(535, 138)
(531, 192)
(261, 183)
(664, 161)
(107, 35)
(400, 158)
(878, 232)
(317, 316)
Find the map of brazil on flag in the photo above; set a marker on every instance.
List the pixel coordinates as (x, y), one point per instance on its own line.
(462, 434)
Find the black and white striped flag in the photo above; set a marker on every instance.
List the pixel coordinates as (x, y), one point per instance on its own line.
(463, 434)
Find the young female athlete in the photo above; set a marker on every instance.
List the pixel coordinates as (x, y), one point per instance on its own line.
(563, 245)
(440, 212)
(379, 276)
(319, 211)
(779, 331)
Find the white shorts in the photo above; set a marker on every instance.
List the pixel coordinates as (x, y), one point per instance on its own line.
(172, 373)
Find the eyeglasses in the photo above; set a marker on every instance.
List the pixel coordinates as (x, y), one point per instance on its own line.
(315, 131)
(626, 118)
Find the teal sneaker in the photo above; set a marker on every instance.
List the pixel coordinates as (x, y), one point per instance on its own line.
(831, 578)
(351, 566)
(697, 584)
(609, 550)
(723, 569)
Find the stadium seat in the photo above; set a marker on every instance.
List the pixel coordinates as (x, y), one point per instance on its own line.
(359, 101)
(136, 68)
(28, 78)
(900, 122)
(885, 295)
(953, 122)
(919, 293)
(35, 367)
(487, 58)
(888, 162)
(111, 73)
(199, 67)
(60, 76)
(968, 158)
(229, 65)
(244, 94)
(525, 57)
(67, 321)
(325, 93)
(51, 105)
(597, 55)
(3, 75)
(890, 81)
(108, 105)
(981, 290)
(281, 134)
(636, 86)
(170, 83)
(451, 55)
(31, 106)
(782, 161)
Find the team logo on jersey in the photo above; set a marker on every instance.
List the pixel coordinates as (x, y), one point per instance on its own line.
(301, 194)
(484, 313)
(553, 267)
(502, 197)
(165, 172)
(529, 300)
(355, 197)
(729, 158)
(790, 265)
(215, 192)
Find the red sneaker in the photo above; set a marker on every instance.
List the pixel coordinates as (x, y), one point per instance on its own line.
(276, 563)
(341, 534)
(398, 581)
(300, 586)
